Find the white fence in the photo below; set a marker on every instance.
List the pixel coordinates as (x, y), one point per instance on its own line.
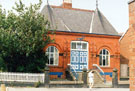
(22, 77)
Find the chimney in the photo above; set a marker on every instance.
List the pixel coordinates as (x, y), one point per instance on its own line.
(131, 4)
(67, 4)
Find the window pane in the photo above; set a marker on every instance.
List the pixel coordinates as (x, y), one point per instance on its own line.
(84, 46)
(100, 59)
(106, 60)
(101, 52)
(77, 59)
(56, 50)
(56, 59)
(51, 61)
(84, 59)
(48, 60)
(103, 57)
(81, 59)
(72, 59)
(52, 49)
(103, 62)
(47, 50)
(51, 55)
(104, 51)
(78, 45)
(107, 52)
(73, 45)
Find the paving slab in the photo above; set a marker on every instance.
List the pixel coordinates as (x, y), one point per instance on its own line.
(67, 89)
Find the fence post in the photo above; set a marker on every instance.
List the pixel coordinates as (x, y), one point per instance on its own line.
(115, 78)
(84, 77)
(47, 78)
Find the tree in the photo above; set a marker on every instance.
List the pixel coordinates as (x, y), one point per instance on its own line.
(22, 38)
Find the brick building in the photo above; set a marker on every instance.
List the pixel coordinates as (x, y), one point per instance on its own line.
(82, 38)
(127, 46)
(126, 41)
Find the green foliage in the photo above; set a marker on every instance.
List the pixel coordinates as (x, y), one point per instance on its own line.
(37, 84)
(22, 38)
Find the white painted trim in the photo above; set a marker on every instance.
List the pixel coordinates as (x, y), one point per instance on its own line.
(65, 25)
(98, 68)
(92, 22)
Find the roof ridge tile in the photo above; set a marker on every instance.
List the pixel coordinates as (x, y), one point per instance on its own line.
(86, 10)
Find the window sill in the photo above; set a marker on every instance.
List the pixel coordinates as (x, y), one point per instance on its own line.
(108, 67)
(53, 65)
(105, 66)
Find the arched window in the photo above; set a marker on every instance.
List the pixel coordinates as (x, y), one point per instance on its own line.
(53, 55)
(104, 58)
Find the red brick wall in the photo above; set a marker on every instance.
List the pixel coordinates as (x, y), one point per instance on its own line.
(124, 48)
(127, 46)
(130, 54)
(96, 43)
(132, 73)
(132, 58)
(126, 40)
(131, 13)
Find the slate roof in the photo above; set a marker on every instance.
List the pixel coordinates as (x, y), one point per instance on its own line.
(83, 21)
(101, 25)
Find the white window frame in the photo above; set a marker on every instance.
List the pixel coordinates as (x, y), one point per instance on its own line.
(55, 56)
(101, 55)
(81, 45)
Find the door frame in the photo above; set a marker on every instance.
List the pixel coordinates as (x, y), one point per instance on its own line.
(80, 50)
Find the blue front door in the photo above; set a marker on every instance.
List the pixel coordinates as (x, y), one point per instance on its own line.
(79, 57)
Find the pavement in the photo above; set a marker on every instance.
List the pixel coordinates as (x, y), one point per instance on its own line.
(67, 89)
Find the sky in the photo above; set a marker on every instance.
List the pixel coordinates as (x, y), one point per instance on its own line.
(116, 11)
